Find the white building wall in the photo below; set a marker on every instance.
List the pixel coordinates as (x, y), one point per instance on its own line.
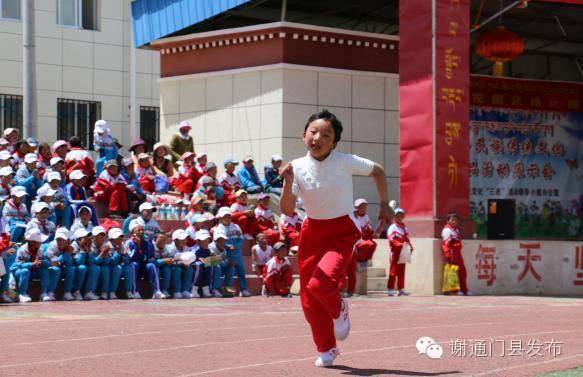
(82, 65)
(262, 111)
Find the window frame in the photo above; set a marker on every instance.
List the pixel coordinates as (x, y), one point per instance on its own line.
(78, 4)
(87, 138)
(2, 18)
(156, 110)
(19, 115)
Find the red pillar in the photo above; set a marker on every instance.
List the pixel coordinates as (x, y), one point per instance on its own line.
(434, 111)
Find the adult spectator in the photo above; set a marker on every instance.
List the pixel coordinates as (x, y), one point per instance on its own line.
(181, 142)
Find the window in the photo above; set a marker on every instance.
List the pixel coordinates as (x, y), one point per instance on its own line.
(150, 124)
(81, 14)
(76, 118)
(10, 111)
(10, 9)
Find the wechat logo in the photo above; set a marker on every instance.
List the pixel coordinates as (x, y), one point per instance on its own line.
(427, 346)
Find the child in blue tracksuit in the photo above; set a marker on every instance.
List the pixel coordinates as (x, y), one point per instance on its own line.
(84, 266)
(121, 259)
(202, 273)
(142, 258)
(83, 220)
(110, 270)
(15, 213)
(31, 263)
(40, 221)
(146, 220)
(59, 200)
(177, 249)
(219, 248)
(234, 256)
(60, 253)
(28, 176)
(167, 267)
(77, 196)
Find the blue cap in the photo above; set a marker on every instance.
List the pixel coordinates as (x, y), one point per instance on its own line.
(32, 142)
(229, 160)
(399, 210)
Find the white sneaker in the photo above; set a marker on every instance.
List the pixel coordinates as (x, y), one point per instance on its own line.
(294, 249)
(24, 299)
(52, 296)
(77, 295)
(194, 293)
(326, 359)
(68, 296)
(391, 292)
(177, 295)
(217, 293)
(264, 291)
(166, 294)
(89, 296)
(206, 292)
(46, 297)
(7, 299)
(129, 295)
(342, 323)
(104, 296)
(137, 296)
(245, 293)
(159, 295)
(185, 294)
(460, 293)
(403, 292)
(112, 296)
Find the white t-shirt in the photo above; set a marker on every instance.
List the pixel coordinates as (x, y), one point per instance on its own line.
(325, 187)
(262, 255)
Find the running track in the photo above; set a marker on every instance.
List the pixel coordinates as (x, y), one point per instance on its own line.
(269, 337)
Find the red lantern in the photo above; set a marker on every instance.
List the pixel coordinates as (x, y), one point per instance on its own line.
(499, 46)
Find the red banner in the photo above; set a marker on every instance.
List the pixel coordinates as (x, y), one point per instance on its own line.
(533, 95)
(452, 91)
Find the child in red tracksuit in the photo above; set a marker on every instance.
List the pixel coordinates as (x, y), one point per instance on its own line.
(278, 276)
(265, 221)
(323, 181)
(188, 175)
(451, 245)
(112, 188)
(244, 216)
(398, 237)
(289, 230)
(365, 248)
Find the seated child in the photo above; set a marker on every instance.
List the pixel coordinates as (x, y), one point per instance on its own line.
(146, 174)
(244, 216)
(60, 253)
(168, 269)
(278, 276)
(202, 271)
(142, 258)
(15, 214)
(265, 222)
(186, 272)
(76, 195)
(261, 252)
(47, 228)
(111, 188)
(289, 229)
(83, 220)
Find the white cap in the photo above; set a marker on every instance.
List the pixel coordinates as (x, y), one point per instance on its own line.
(223, 211)
(39, 206)
(184, 123)
(98, 230)
(45, 190)
(114, 233)
(56, 160)
(4, 141)
(30, 158)
(18, 191)
(84, 207)
(202, 234)
(6, 171)
(62, 233)
(52, 175)
(80, 233)
(158, 145)
(399, 210)
(179, 234)
(358, 202)
(276, 157)
(200, 154)
(35, 235)
(205, 180)
(127, 162)
(76, 174)
(147, 206)
(5, 155)
(9, 130)
(247, 159)
(58, 144)
(134, 224)
(100, 126)
(210, 165)
(219, 234)
(143, 156)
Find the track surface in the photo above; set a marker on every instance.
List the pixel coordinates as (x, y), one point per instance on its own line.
(269, 337)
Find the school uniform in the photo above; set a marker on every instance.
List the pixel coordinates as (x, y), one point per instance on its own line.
(221, 269)
(327, 237)
(4, 192)
(261, 257)
(16, 217)
(24, 270)
(186, 180)
(121, 259)
(142, 260)
(8, 260)
(146, 178)
(290, 228)
(278, 276)
(451, 245)
(202, 273)
(247, 224)
(104, 144)
(46, 227)
(234, 238)
(230, 184)
(66, 263)
(113, 191)
(265, 224)
(167, 272)
(80, 265)
(76, 198)
(111, 271)
(363, 250)
(398, 236)
(26, 178)
(78, 224)
(184, 275)
(93, 266)
(151, 227)
(249, 179)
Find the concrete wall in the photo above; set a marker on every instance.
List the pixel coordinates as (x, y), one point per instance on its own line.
(262, 111)
(82, 65)
(555, 262)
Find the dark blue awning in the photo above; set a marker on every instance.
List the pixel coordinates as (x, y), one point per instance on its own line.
(154, 19)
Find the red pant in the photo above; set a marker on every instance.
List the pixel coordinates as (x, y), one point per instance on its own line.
(116, 196)
(147, 184)
(396, 271)
(364, 250)
(184, 185)
(247, 225)
(325, 252)
(280, 283)
(291, 235)
(458, 259)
